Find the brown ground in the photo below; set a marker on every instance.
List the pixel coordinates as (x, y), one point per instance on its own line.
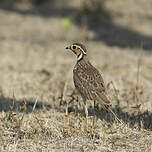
(36, 80)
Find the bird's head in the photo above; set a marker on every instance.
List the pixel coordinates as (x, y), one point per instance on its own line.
(78, 49)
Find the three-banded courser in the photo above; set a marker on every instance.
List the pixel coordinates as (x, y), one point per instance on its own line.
(87, 79)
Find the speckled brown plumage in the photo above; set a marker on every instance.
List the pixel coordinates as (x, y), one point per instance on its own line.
(89, 82)
(87, 78)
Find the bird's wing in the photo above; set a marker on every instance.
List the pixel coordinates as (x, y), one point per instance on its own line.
(91, 85)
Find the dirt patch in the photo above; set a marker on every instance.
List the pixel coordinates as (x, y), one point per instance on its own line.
(36, 75)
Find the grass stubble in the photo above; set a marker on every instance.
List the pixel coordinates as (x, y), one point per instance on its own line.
(39, 109)
(29, 125)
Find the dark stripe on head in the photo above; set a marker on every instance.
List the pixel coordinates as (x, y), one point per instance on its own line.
(81, 46)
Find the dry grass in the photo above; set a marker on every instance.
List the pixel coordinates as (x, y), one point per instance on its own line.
(36, 84)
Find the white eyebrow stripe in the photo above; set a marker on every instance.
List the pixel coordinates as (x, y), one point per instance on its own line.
(80, 49)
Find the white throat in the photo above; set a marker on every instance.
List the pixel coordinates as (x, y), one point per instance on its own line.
(80, 56)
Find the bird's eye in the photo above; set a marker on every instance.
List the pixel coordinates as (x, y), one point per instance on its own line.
(73, 47)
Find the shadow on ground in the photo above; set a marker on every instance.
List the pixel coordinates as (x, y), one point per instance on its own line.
(137, 119)
(104, 30)
(140, 119)
(24, 105)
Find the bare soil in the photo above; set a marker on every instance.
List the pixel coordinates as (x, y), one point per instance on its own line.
(36, 79)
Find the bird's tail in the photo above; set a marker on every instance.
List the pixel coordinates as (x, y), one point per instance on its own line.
(110, 110)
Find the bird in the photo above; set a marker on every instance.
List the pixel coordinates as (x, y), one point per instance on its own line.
(87, 79)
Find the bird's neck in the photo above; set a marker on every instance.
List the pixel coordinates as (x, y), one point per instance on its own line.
(83, 60)
(80, 56)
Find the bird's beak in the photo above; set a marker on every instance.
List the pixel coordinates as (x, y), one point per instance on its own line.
(68, 47)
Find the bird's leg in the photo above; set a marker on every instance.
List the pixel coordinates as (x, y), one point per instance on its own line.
(86, 112)
(66, 111)
(94, 113)
(85, 107)
(94, 104)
